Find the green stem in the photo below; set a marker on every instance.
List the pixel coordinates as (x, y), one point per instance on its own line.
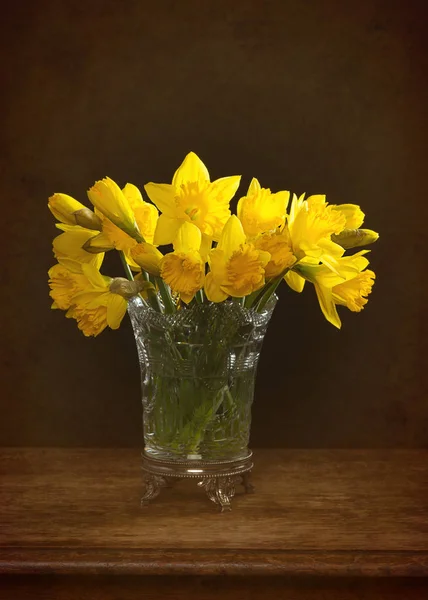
(152, 296)
(253, 298)
(270, 290)
(202, 426)
(127, 268)
(268, 293)
(199, 297)
(166, 295)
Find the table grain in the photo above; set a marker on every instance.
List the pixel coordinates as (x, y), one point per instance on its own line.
(325, 514)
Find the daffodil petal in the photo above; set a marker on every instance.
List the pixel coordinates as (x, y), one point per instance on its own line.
(94, 276)
(162, 194)
(70, 264)
(187, 297)
(100, 242)
(132, 193)
(147, 257)
(116, 309)
(188, 238)
(328, 307)
(225, 188)
(232, 236)
(75, 229)
(316, 198)
(166, 230)
(254, 187)
(206, 244)
(217, 262)
(191, 169)
(213, 291)
(353, 214)
(68, 248)
(295, 281)
(131, 262)
(91, 299)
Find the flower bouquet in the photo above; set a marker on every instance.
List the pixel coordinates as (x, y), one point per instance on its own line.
(199, 288)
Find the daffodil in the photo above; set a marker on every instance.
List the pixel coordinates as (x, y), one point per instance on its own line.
(145, 215)
(193, 198)
(68, 247)
(352, 236)
(113, 203)
(260, 210)
(65, 284)
(97, 306)
(349, 287)
(311, 224)
(112, 236)
(278, 244)
(237, 267)
(184, 269)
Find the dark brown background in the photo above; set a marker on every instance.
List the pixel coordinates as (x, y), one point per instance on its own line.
(317, 96)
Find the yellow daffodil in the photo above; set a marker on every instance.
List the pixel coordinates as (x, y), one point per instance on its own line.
(68, 210)
(65, 284)
(147, 257)
(352, 236)
(237, 268)
(349, 287)
(96, 306)
(260, 210)
(112, 202)
(311, 224)
(145, 216)
(192, 197)
(278, 244)
(184, 269)
(68, 247)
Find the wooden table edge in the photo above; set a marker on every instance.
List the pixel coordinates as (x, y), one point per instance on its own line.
(125, 561)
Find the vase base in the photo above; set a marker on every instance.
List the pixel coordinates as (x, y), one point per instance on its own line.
(217, 478)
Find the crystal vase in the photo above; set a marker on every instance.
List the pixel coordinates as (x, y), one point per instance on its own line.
(198, 368)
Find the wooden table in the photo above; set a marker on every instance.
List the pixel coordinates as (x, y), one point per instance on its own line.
(322, 524)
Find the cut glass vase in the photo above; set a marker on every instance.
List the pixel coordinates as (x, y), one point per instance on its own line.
(198, 368)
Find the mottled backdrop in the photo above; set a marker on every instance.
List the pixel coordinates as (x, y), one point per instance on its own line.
(318, 96)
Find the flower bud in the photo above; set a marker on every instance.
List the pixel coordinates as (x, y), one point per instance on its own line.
(62, 206)
(85, 217)
(352, 238)
(127, 289)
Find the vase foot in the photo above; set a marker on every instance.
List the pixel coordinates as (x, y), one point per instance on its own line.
(218, 478)
(220, 490)
(152, 487)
